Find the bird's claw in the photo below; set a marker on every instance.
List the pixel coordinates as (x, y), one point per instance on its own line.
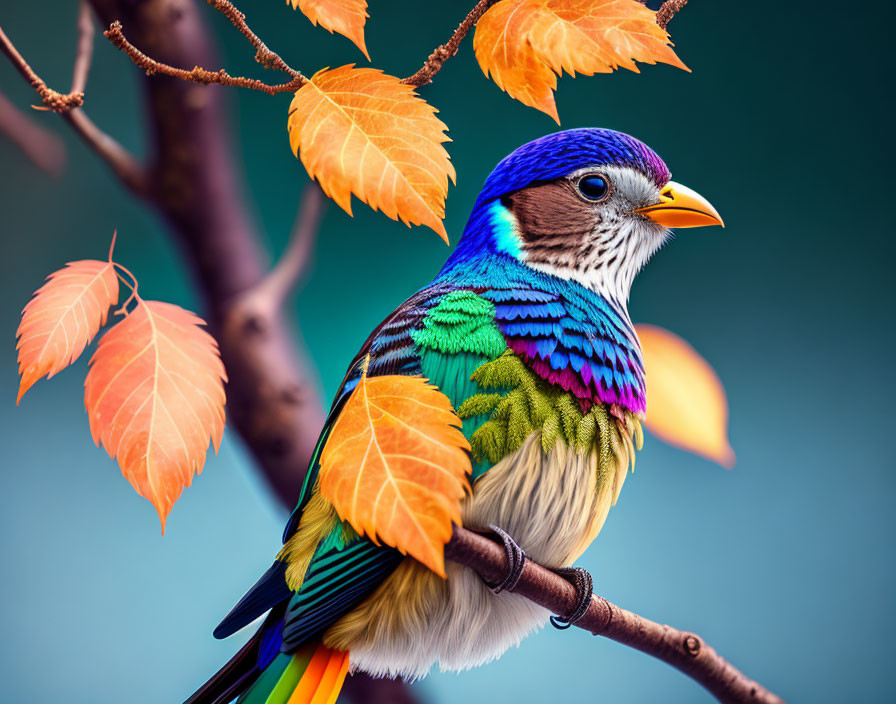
(516, 559)
(584, 584)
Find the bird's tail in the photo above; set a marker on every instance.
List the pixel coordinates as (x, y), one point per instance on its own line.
(313, 674)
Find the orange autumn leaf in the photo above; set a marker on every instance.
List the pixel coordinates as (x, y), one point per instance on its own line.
(508, 57)
(396, 465)
(524, 43)
(155, 398)
(63, 317)
(347, 17)
(358, 130)
(686, 404)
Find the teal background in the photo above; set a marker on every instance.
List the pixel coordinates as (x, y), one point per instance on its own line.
(784, 564)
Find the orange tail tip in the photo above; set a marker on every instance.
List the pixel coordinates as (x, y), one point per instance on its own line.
(323, 678)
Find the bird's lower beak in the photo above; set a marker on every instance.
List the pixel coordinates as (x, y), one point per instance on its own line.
(679, 206)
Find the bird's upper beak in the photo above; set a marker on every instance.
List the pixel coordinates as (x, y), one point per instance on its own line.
(679, 206)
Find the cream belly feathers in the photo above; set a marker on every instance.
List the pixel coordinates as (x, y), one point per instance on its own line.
(552, 503)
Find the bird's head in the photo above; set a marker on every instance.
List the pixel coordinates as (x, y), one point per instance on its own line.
(591, 205)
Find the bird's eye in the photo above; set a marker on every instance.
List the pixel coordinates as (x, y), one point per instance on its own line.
(593, 187)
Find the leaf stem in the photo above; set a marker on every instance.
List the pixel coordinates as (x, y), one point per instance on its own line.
(132, 284)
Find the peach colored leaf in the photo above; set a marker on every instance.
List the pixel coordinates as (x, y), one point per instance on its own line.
(155, 397)
(395, 466)
(523, 43)
(62, 318)
(358, 130)
(347, 17)
(686, 404)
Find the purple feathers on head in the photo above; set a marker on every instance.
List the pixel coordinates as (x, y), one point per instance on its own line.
(558, 154)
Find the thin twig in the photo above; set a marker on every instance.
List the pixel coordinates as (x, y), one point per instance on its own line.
(263, 55)
(668, 10)
(123, 164)
(84, 52)
(52, 100)
(685, 651)
(117, 157)
(40, 146)
(197, 74)
(445, 51)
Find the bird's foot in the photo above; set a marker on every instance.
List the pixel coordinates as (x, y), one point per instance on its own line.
(516, 559)
(584, 584)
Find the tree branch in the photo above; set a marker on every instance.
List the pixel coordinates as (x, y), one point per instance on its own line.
(41, 147)
(445, 51)
(84, 53)
(122, 163)
(52, 100)
(668, 10)
(197, 74)
(269, 294)
(685, 651)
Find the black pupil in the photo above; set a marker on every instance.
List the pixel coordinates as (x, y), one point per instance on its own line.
(593, 187)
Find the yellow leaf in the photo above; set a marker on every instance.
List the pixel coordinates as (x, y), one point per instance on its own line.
(358, 130)
(155, 397)
(347, 17)
(686, 404)
(523, 43)
(395, 466)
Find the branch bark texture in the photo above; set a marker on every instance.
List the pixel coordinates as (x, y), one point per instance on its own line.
(684, 651)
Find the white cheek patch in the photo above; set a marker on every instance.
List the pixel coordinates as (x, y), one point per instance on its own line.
(623, 244)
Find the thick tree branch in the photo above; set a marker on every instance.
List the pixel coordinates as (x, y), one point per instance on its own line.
(272, 396)
(445, 51)
(668, 10)
(270, 293)
(684, 651)
(197, 74)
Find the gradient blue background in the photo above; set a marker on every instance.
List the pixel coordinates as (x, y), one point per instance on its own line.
(784, 564)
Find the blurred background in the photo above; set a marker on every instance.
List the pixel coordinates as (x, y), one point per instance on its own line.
(785, 564)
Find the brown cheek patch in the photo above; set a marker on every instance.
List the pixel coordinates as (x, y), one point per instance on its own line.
(553, 220)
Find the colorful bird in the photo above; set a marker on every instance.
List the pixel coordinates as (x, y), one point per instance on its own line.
(526, 331)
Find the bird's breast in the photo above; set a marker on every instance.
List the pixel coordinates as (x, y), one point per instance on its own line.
(552, 503)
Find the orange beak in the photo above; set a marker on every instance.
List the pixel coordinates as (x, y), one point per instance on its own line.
(679, 206)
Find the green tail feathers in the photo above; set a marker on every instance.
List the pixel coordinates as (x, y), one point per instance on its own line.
(312, 675)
